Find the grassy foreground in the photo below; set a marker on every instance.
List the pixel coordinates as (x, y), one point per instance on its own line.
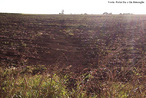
(40, 82)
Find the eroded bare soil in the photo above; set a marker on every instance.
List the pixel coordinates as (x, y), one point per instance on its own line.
(78, 40)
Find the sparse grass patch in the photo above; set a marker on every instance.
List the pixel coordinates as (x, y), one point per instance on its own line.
(34, 86)
(15, 84)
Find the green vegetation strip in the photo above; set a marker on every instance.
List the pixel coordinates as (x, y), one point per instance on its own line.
(15, 83)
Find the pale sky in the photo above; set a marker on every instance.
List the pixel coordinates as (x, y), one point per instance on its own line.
(71, 6)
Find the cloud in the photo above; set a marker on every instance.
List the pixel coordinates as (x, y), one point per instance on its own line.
(70, 6)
